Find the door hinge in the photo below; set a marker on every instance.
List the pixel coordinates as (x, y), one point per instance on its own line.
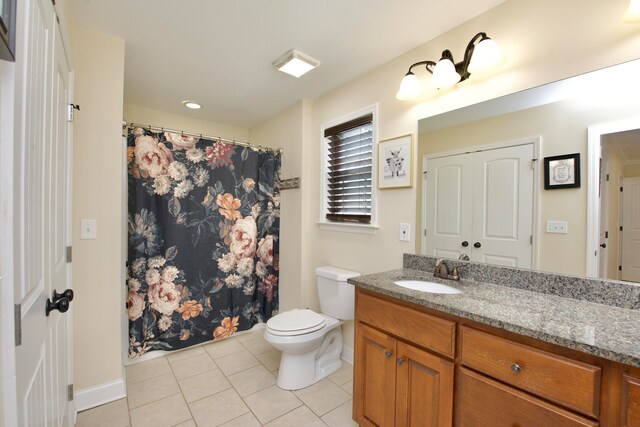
(533, 163)
(69, 254)
(619, 268)
(621, 189)
(70, 111)
(607, 177)
(424, 175)
(17, 321)
(620, 228)
(69, 392)
(606, 234)
(531, 239)
(425, 232)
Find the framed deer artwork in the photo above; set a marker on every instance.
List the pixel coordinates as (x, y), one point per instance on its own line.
(395, 162)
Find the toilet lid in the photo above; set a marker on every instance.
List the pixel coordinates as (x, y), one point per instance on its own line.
(295, 322)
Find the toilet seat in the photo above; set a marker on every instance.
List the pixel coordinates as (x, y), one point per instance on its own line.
(296, 322)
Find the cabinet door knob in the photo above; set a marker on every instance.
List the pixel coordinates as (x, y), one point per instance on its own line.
(465, 243)
(516, 369)
(388, 355)
(477, 245)
(400, 361)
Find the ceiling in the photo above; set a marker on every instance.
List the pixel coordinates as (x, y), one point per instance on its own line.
(219, 52)
(626, 145)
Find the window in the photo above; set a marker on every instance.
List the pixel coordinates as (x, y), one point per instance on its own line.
(349, 171)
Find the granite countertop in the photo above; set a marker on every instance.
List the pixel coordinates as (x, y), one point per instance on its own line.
(606, 331)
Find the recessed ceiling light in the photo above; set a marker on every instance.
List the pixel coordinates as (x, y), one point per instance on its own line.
(191, 104)
(296, 63)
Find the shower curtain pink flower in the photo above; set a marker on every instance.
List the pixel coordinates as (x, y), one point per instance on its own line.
(204, 221)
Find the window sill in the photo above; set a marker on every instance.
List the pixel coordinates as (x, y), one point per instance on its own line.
(348, 228)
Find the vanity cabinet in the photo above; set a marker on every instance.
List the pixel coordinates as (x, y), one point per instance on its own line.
(416, 366)
(397, 383)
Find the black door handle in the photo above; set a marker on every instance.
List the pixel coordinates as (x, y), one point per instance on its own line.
(62, 305)
(477, 245)
(68, 294)
(604, 245)
(465, 244)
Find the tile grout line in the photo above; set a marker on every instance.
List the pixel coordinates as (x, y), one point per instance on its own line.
(182, 394)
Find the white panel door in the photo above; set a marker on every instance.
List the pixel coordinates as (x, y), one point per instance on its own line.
(503, 206)
(58, 235)
(631, 230)
(604, 213)
(448, 206)
(41, 215)
(33, 68)
(481, 204)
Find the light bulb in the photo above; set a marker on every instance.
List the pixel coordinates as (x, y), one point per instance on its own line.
(486, 55)
(633, 12)
(444, 74)
(409, 87)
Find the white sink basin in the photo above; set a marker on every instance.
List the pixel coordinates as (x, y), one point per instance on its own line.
(432, 287)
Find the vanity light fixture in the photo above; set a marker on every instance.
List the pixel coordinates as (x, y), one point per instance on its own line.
(296, 63)
(633, 12)
(481, 54)
(191, 104)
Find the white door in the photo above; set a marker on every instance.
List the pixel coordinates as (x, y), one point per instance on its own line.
(604, 213)
(503, 206)
(59, 208)
(631, 230)
(448, 206)
(481, 204)
(41, 216)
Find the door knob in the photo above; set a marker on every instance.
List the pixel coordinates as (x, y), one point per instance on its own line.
(465, 244)
(62, 305)
(477, 245)
(400, 361)
(68, 294)
(604, 245)
(388, 354)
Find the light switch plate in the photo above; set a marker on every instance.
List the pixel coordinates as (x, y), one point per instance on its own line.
(88, 229)
(405, 232)
(560, 227)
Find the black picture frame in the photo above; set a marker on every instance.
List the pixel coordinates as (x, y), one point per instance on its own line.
(562, 171)
(8, 30)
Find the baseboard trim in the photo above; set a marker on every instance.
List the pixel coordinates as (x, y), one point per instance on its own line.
(91, 397)
(347, 354)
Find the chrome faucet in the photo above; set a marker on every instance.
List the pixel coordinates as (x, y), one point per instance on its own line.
(442, 271)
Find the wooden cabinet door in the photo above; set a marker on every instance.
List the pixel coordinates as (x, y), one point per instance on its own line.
(424, 388)
(375, 375)
(630, 401)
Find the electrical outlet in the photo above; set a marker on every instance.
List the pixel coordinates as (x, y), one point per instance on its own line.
(88, 229)
(560, 227)
(405, 230)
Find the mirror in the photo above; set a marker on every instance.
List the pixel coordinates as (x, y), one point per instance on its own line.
(474, 194)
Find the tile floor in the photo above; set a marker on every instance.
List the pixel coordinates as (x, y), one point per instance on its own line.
(228, 383)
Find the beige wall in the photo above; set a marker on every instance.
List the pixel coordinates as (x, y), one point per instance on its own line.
(630, 171)
(543, 41)
(562, 127)
(152, 117)
(285, 131)
(97, 194)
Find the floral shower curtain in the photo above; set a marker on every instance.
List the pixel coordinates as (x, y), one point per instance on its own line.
(204, 220)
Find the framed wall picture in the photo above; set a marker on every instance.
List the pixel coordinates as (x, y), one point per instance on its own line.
(562, 171)
(395, 162)
(8, 30)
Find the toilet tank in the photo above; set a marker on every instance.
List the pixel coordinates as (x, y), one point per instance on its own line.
(337, 297)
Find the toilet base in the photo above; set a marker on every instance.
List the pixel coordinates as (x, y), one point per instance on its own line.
(301, 370)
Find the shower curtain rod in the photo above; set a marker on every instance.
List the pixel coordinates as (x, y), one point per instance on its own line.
(217, 138)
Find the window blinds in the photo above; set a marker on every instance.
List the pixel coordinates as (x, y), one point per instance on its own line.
(350, 164)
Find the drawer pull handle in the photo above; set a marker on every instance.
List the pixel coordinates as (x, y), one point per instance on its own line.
(400, 361)
(516, 369)
(388, 355)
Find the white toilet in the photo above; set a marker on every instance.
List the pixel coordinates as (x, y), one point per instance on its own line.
(311, 343)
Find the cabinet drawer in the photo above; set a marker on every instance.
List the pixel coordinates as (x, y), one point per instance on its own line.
(570, 383)
(487, 403)
(415, 326)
